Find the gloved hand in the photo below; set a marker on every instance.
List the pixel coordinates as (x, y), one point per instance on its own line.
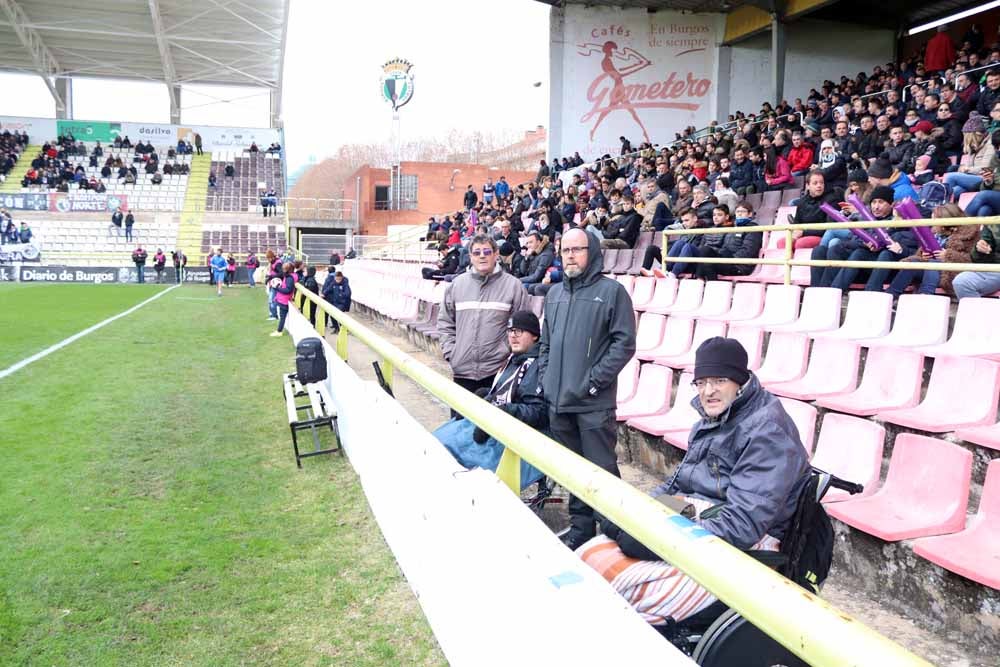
(480, 436)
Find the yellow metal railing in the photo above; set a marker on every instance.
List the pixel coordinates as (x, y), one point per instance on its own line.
(807, 625)
(788, 261)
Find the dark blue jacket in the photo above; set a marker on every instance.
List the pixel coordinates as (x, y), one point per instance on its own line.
(749, 458)
(740, 175)
(338, 295)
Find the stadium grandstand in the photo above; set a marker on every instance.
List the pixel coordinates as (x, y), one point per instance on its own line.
(738, 336)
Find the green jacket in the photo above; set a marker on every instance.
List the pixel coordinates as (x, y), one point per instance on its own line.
(990, 234)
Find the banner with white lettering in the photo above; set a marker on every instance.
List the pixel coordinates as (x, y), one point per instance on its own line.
(20, 252)
(96, 275)
(627, 72)
(83, 200)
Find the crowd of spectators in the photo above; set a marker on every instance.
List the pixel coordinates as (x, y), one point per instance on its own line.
(12, 144)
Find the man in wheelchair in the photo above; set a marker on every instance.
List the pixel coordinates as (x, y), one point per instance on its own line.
(746, 479)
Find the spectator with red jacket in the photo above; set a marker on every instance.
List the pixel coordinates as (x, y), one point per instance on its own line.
(800, 156)
(940, 53)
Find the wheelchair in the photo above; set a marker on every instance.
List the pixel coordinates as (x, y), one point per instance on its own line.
(719, 636)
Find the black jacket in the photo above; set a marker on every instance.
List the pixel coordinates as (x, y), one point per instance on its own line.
(835, 175)
(742, 245)
(536, 265)
(625, 227)
(740, 175)
(338, 295)
(869, 145)
(526, 403)
(901, 155)
(588, 336)
(987, 98)
(808, 209)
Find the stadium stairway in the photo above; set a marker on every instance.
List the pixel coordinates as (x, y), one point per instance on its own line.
(13, 182)
(189, 233)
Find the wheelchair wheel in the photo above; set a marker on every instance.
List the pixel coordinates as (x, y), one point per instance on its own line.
(732, 640)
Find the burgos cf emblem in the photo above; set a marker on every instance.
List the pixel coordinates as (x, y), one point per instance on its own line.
(397, 82)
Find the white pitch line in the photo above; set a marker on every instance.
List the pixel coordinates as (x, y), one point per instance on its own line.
(63, 343)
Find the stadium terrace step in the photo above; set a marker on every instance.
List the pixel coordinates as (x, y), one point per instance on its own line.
(13, 182)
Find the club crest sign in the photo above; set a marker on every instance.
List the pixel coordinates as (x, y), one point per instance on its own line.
(397, 82)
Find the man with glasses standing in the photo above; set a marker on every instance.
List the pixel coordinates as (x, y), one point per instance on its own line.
(473, 318)
(588, 336)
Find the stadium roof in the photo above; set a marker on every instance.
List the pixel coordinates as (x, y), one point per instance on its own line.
(221, 42)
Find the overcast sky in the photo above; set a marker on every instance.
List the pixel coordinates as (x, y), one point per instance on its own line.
(474, 62)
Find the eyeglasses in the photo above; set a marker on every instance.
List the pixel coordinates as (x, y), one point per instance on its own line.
(579, 250)
(514, 331)
(709, 383)
(482, 253)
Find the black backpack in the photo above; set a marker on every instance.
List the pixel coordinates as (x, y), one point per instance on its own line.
(808, 542)
(310, 361)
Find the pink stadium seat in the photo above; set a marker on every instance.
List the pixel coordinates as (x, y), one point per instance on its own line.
(676, 339)
(689, 294)
(752, 340)
(680, 418)
(781, 306)
(642, 291)
(833, 369)
(804, 416)
(748, 302)
(663, 296)
(800, 274)
(787, 355)
(987, 436)
(921, 319)
(892, 380)
(650, 331)
(925, 492)
(973, 553)
(961, 392)
(628, 378)
(716, 300)
(624, 261)
(820, 312)
(851, 449)
(976, 332)
(627, 282)
(771, 273)
(703, 330)
(652, 394)
(610, 260)
(869, 315)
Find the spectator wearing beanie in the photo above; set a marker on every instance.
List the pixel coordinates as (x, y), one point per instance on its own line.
(744, 447)
(882, 173)
(981, 147)
(904, 244)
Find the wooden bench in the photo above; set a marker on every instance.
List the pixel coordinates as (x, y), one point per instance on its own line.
(315, 411)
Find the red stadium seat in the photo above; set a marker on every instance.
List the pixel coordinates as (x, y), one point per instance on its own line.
(850, 448)
(987, 436)
(921, 319)
(892, 380)
(689, 295)
(976, 332)
(925, 492)
(869, 315)
(781, 306)
(961, 392)
(804, 416)
(680, 419)
(624, 261)
(652, 394)
(610, 260)
(650, 331)
(820, 311)
(676, 339)
(833, 369)
(628, 378)
(786, 359)
(703, 330)
(628, 282)
(747, 303)
(664, 295)
(642, 291)
(752, 340)
(973, 553)
(716, 300)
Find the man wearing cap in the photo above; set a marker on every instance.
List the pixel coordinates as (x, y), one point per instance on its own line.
(740, 480)
(587, 338)
(904, 243)
(515, 390)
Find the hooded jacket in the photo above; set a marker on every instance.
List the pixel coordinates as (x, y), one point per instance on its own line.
(473, 321)
(750, 458)
(338, 295)
(538, 263)
(588, 335)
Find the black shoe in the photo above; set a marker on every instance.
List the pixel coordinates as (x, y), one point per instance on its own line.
(574, 539)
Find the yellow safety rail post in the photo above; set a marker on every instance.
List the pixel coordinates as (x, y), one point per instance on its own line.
(805, 624)
(788, 257)
(342, 342)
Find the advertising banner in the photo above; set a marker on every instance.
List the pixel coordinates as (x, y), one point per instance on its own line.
(212, 138)
(31, 201)
(96, 275)
(20, 252)
(93, 202)
(9, 274)
(89, 130)
(39, 129)
(627, 72)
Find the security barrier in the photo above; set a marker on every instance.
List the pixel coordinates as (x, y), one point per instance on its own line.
(788, 261)
(805, 624)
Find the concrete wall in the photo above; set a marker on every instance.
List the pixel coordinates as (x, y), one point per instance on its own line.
(816, 51)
